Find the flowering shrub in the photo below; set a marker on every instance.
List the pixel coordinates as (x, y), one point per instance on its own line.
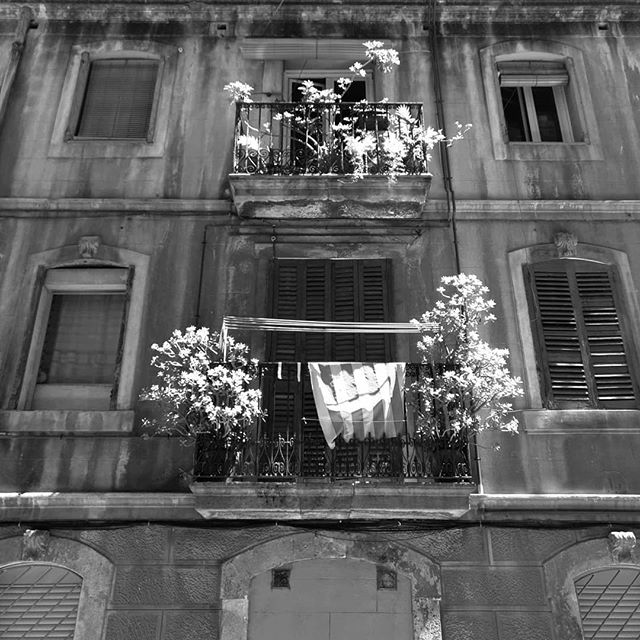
(375, 138)
(468, 386)
(199, 392)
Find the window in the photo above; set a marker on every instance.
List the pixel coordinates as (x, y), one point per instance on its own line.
(116, 99)
(78, 338)
(579, 330)
(333, 290)
(38, 601)
(609, 602)
(534, 101)
(359, 89)
(539, 102)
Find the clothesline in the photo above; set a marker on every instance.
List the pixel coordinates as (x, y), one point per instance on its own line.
(315, 326)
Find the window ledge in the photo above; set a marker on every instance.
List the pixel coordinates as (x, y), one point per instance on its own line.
(580, 421)
(551, 151)
(76, 422)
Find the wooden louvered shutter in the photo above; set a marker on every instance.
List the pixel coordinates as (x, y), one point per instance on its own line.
(334, 290)
(580, 333)
(119, 99)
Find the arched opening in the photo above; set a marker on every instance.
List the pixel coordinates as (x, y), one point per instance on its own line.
(330, 599)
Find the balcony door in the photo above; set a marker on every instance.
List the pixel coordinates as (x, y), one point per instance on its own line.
(331, 290)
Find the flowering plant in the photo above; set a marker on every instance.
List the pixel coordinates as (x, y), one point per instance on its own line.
(319, 136)
(200, 392)
(467, 386)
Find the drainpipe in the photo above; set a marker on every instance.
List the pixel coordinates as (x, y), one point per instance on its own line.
(448, 188)
(443, 149)
(203, 251)
(25, 22)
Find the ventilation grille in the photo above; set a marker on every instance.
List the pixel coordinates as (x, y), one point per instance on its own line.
(38, 601)
(610, 604)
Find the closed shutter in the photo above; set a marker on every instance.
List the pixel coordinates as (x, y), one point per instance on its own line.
(38, 601)
(610, 604)
(118, 99)
(534, 73)
(332, 290)
(580, 333)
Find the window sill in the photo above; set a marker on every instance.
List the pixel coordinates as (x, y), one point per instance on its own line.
(106, 148)
(76, 422)
(580, 421)
(548, 151)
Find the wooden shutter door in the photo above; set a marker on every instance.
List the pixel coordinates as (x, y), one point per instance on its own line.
(580, 335)
(334, 290)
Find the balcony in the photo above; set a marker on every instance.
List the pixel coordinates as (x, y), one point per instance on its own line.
(289, 446)
(313, 158)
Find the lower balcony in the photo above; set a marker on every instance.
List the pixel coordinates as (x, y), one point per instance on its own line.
(290, 446)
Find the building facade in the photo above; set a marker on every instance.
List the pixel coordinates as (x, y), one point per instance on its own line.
(132, 203)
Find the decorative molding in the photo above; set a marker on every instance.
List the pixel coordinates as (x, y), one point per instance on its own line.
(621, 545)
(35, 545)
(566, 244)
(88, 246)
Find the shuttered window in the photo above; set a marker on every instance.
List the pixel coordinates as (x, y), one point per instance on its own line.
(335, 290)
(118, 99)
(582, 343)
(38, 601)
(609, 603)
(332, 290)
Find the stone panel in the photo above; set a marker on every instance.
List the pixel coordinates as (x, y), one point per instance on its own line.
(452, 545)
(216, 544)
(528, 544)
(469, 626)
(190, 625)
(504, 586)
(147, 585)
(130, 544)
(125, 625)
(524, 625)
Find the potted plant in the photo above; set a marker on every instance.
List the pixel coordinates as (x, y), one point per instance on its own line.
(465, 385)
(206, 396)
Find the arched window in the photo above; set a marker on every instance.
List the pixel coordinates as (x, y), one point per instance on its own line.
(609, 601)
(38, 601)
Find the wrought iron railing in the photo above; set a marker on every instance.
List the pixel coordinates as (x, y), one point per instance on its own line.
(289, 444)
(318, 138)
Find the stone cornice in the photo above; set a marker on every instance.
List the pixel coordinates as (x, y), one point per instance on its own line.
(448, 11)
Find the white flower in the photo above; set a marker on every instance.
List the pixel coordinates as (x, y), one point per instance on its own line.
(239, 91)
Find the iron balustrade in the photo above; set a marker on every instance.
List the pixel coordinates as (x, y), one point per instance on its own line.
(322, 138)
(289, 444)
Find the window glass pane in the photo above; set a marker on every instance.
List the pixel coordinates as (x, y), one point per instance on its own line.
(548, 121)
(81, 341)
(515, 114)
(118, 99)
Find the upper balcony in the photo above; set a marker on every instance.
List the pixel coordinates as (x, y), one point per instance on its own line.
(313, 157)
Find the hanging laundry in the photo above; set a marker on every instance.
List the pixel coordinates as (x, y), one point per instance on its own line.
(358, 399)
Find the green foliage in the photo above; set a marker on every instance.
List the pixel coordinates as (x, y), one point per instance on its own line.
(199, 392)
(468, 386)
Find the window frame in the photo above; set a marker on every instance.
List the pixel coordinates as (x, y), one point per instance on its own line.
(519, 258)
(99, 279)
(582, 113)
(84, 71)
(64, 144)
(32, 288)
(328, 75)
